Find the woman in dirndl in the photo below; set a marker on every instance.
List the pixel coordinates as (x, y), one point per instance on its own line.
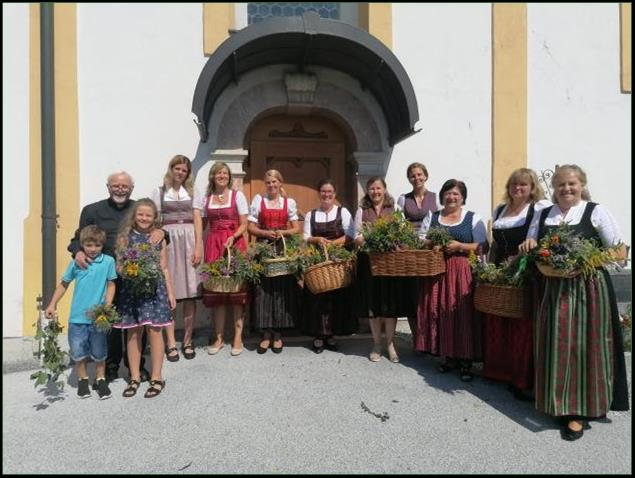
(416, 205)
(174, 203)
(381, 299)
(579, 349)
(508, 354)
(447, 324)
(225, 211)
(272, 216)
(330, 313)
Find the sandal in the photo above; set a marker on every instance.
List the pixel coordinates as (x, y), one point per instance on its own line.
(153, 391)
(172, 358)
(188, 351)
(131, 389)
(274, 349)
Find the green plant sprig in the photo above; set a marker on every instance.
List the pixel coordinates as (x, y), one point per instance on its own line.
(53, 357)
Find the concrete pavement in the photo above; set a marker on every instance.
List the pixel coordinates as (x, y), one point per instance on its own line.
(299, 412)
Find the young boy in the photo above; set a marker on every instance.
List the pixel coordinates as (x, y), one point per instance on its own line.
(93, 286)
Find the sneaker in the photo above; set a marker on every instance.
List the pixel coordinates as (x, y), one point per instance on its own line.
(83, 390)
(103, 391)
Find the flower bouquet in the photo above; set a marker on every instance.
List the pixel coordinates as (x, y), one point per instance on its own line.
(141, 269)
(104, 317)
(563, 253)
(499, 289)
(395, 249)
(229, 274)
(328, 269)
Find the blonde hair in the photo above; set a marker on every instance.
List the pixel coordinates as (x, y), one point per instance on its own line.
(524, 174)
(577, 170)
(274, 173)
(128, 223)
(168, 179)
(216, 167)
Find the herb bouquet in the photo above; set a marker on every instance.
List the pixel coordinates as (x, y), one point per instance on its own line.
(141, 269)
(330, 268)
(230, 274)
(104, 317)
(564, 254)
(499, 289)
(395, 249)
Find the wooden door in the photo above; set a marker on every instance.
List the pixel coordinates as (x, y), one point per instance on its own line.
(305, 150)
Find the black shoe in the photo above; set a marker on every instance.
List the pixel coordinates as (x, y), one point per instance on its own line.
(318, 346)
(261, 350)
(188, 351)
(144, 375)
(572, 435)
(466, 374)
(103, 391)
(276, 350)
(331, 344)
(83, 390)
(521, 395)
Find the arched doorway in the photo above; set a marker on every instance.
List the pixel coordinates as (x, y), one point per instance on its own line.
(305, 149)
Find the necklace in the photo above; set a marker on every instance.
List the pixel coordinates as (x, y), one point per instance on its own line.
(221, 197)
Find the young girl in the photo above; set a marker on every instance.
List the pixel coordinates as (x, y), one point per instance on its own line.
(143, 309)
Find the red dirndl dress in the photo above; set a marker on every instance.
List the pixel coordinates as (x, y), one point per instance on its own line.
(223, 222)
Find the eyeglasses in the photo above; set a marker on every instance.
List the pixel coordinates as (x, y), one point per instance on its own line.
(120, 187)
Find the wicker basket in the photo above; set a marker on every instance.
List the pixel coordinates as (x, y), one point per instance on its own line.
(410, 263)
(280, 266)
(549, 271)
(329, 275)
(500, 300)
(225, 284)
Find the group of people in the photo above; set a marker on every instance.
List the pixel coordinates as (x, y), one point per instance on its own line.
(568, 354)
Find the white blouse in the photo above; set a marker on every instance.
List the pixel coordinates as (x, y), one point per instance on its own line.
(508, 222)
(601, 219)
(254, 209)
(241, 203)
(170, 195)
(479, 231)
(355, 230)
(321, 216)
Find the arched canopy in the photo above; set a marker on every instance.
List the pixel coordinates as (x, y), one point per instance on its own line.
(305, 41)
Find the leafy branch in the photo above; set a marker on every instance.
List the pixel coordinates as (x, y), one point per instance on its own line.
(53, 363)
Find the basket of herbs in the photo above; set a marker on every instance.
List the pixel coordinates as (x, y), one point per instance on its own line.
(395, 249)
(330, 269)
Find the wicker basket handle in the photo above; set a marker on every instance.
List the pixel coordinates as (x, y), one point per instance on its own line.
(326, 254)
(229, 256)
(284, 245)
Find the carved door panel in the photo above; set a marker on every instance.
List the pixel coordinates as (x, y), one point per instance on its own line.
(305, 150)
(302, 165)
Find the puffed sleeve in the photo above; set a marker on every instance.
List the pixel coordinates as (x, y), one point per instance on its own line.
(155, 195)
(307, 226)
(425, 225)
(346, 219)
(355, 229)
(479, 230)
(606, 225)
(241, 203)
(292, 209)
(198, 202)
(254, 209)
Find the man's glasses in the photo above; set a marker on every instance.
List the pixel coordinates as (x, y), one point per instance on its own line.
(120, 187)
